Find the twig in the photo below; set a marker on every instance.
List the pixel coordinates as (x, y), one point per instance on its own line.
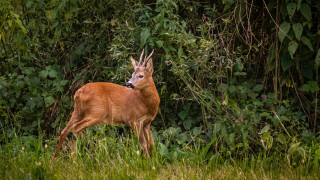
(281, 123)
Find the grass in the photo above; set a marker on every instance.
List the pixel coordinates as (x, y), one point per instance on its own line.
(104, 157)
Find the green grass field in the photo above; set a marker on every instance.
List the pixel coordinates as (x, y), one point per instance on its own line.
(104, 157)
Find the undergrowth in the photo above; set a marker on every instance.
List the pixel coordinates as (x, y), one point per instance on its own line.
(104, 156)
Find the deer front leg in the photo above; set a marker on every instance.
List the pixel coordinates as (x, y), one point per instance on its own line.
(139, 131)
(148, 136)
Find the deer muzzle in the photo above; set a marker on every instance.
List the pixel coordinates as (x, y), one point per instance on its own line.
(129, 85)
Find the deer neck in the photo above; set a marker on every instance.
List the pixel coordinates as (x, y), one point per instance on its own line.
(150, 96)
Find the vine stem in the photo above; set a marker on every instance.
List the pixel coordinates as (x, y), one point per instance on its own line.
(276, 55)
(316, 102)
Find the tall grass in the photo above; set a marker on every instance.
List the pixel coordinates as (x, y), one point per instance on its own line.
(105, 156)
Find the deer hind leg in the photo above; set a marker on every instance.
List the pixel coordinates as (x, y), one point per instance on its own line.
(77, 115)
(78, 127)
(148, 136)
(64, 134)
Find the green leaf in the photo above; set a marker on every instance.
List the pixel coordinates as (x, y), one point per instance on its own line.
(307, 42)
(163, 150)
(292, 48)
(306, 11)
(187, 123)
(307, 72)
(317, 152)
(52, 73)
(283, 30)
(48, 101)
(159, 43)
(43, 74)
(293, 148)
(265, 129)
(281, 111)
(291, 7)
(282, 139)
(232, 89)
(317, 59)
(182, 114)
(63, 82)
(286, 62)
(305, 88)
(299, 4)
(196, 131)
(145, 33)
(297, 29)
(258, 88)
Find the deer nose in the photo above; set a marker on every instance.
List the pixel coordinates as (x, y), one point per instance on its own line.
(129, 85)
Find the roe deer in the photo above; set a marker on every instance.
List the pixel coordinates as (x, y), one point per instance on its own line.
(135, 105)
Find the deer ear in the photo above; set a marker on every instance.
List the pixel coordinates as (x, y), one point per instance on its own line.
(149, 65)
(134, 63)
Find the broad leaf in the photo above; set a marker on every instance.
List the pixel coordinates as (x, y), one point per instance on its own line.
(43, 74)
(297, 29)
(292, 48)
(283, 30)
(291, 7)
(187, 123)
(258, 87)
(286, 62)
(305, 87)
(307, 42)
(306, 11)
(282, 139)
(265, 129)
(182, 114)
(299, 4)
(145, 33)
(159, 43)
(48, 101)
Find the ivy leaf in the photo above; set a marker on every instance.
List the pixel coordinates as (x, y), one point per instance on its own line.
(292, 48)
(306, 11)
(307, 42)
(297, 29)
(145, 33)
(283, 30)
(291, 7)
(317, 59)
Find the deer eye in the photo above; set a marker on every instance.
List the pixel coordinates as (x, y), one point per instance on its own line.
(141, 76)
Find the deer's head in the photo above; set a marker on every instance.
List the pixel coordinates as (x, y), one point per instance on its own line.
(142, 75)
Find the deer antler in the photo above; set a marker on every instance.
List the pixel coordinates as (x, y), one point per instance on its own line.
(147, 59)
(141, 57)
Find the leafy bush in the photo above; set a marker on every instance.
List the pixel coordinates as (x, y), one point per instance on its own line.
(244, 75)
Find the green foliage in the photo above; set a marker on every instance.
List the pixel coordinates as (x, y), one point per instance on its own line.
(217, 69)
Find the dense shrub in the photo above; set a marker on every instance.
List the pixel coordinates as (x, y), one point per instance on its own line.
(241, 74)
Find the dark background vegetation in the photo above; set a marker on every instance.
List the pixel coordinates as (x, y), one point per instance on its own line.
(240, 74)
